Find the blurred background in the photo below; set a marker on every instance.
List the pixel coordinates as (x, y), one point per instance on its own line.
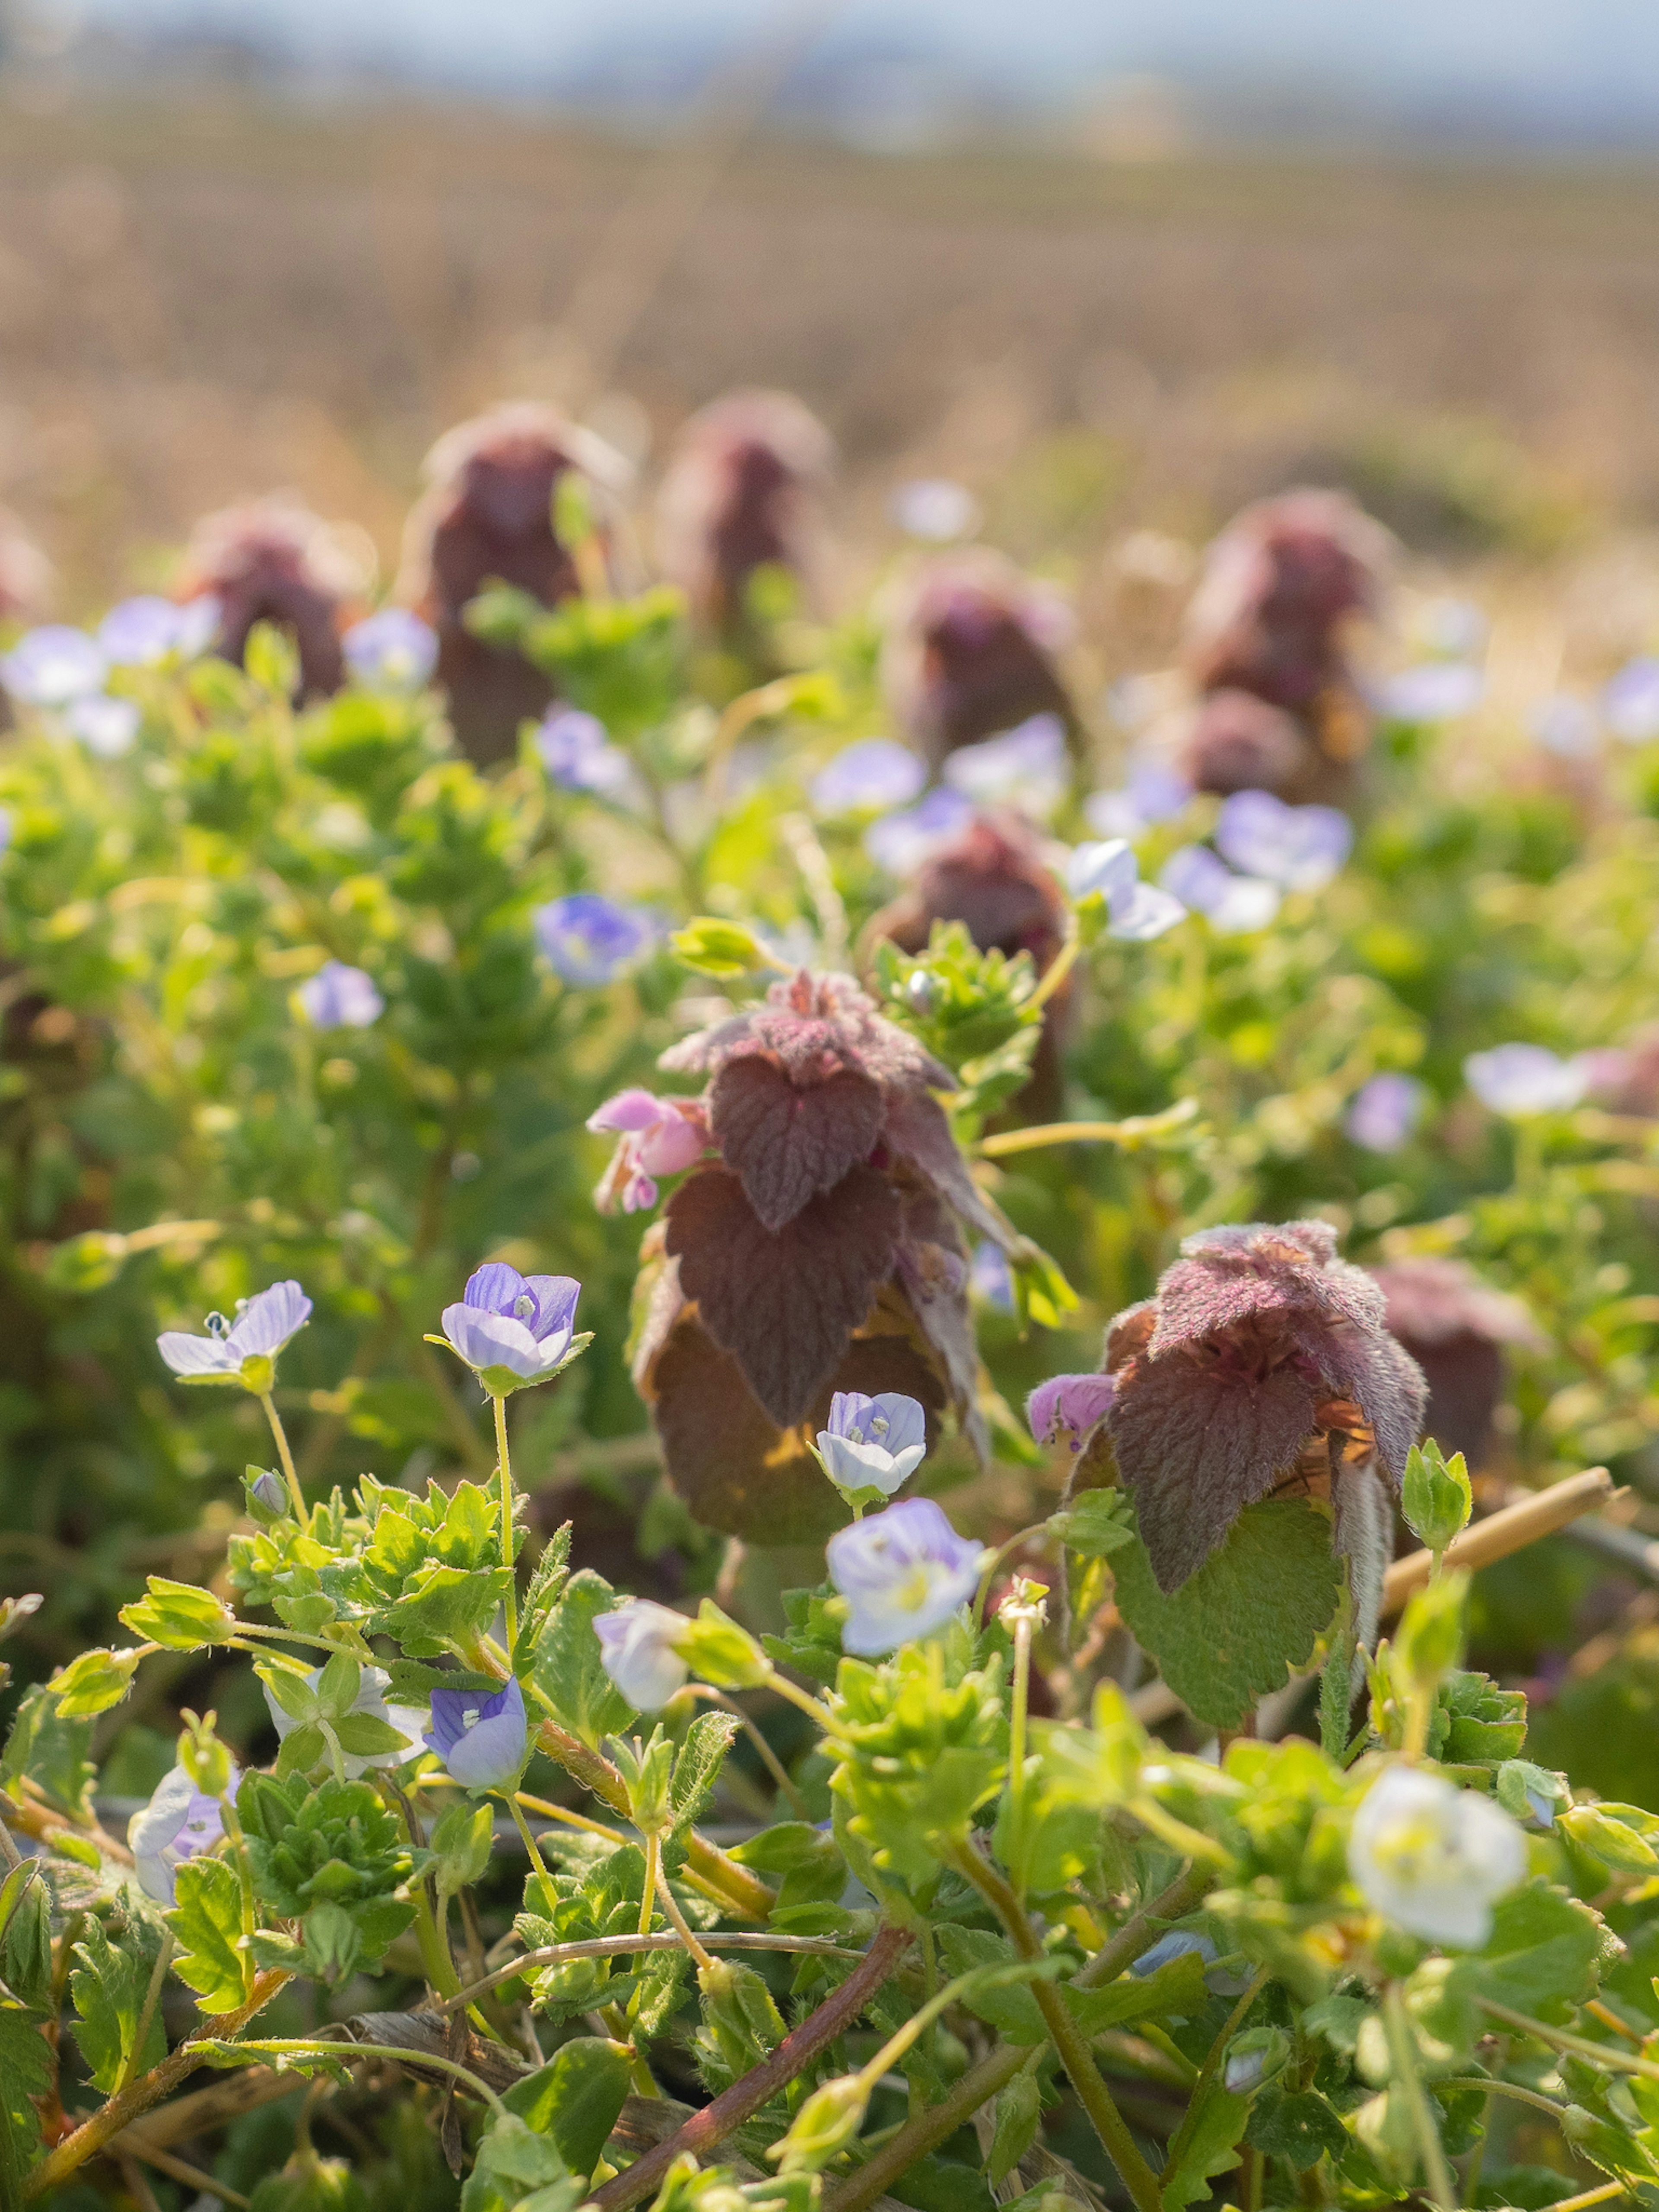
(1115, 270)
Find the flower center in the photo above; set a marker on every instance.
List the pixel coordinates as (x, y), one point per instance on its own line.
(524, 1307)
(470, 1717)
(1414, 1851)
(217, 1325)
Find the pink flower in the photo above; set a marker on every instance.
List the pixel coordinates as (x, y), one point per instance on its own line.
(659, 1136)
(1069, 1406)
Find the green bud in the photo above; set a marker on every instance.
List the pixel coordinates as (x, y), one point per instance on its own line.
(1430, 1635)
(739, 2017)
(647, 1769)
(573, 509)
(717, 947)
(1254, 2058)
(1436, 1495)
(177, 1615)
(461, 1844)
(272, 660)
(717, 1650)
(93, 1683)
(265, 1494)
(1623, 1837)
(202, 1755)
(829, 2120)
(333, 1944)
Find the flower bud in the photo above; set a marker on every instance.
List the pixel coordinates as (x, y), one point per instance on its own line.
(742, 2022)
(1436, 1495)
(1429, 1638)
(1254, 2059)
(647, 1769)
(829, 2120)
(203, 1758)
(721, 1652)
(639, 1648)
(266, 1493)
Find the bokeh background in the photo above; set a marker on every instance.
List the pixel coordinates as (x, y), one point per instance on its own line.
(1116, 275)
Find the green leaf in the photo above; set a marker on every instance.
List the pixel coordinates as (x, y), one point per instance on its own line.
(1095, 1523)
(1298, 2126)
(108, 1987)
(568, 1669)
(444, 1605)
(177, 1615)
(1177, 1988)
(1256, 1609)
(366, 1736)
(1211, 2148)
(26, 1964)
(412, 1681)
(300, 1749)
(697, 1768)
(575, 2098)
(1542, 1957)
(50, 1749)
(1011, 2009)
(516, 2170)
(93, 1683)
(461, 1842)
(1018, 2114)
(27, 2070)
(207, 1918)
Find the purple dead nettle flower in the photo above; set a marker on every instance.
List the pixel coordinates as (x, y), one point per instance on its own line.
(1026, 767)
(107, 727)
(1630, 703)
(1298, 848)
(1262, 1357)
(638, 1646)
(873, 1444)
(1385, 1112)
(1520, 1080)
(178, 1824)
(904, 1573)
(1433, 691)
(578, 754)
(971, 651)
(262, 1327)
(340, 997)
(482, 1740)
(1069, 1407)
(52, 665)
(392, 651)
(870, 776)
(145, 631)
(588, 939)
(371, 1699)
(658, 1136)
(1135, 911)
(901, 843)
(934, 509)
(1231, 905)
(512, 1329)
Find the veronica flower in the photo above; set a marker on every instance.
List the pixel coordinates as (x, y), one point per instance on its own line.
(106, 726)
(1383, 1114)
(178, 1824)
(873, 1444)
(1136, 911)
(144, 631)
(1223, 1981)
(339, 997)
(905, 1572)
(578, 754)
(1564, 725)
(1298, 848)
(393, 650)
(658, 1136)
(1069, 1406)
(1024, 767)
(1433, 1858)
(1153, 793)
(512, 1329)
(876, 773)
(901, 843)
(990, 1278)
(588, 939)
(637, 1647)
(481, 1739)
(52, 665)
(1433, 691)
(1522, 1079)
(408, 1720)
(1231, 905)
(1630, 703)
(934, 509)
(262, 1328)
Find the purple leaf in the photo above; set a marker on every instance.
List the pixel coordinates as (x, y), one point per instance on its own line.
(789, 1140)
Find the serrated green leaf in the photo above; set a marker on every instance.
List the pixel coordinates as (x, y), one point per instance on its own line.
(1175, 1990)
(1256, 1609)
(108, 1987)
(49, 1749)
(26, 2071)
(1095, 1523)
(1018, 2114)
(1298, 2126)
(461, 1845)
(444, 1605)
(1211, 2148)
(697, 1767)
(207, 1919)
(516, 2166)
(569, 1670)
(1541, 1958)
(93, 1683)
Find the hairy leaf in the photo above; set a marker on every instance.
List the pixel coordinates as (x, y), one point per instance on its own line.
(207, 1918)
(108, 1987)
(569, 1667)
(790, 1142)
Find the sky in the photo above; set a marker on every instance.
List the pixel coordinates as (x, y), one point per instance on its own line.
(1566, 63)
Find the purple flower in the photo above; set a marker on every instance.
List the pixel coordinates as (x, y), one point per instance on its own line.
(904, 1571)
(873, 1444)
(1630, 703)
(637, 1645)
(588, 939)
(178, 1824)
(934, 509)
(52, 665)
(370, 1699)
(1024, 767)
(1385, 1111)
(876, 772)
(1298, 848)
(1069, 1406)
(1153, 793)
(1231, 904)
(1433, 691)
(901, 843)
(1522, 1079)
(658, 1136)
(520, 1326)
(106, 726)
(1223, 1981)
(990, 1278)
(339, 997)
(393, 650)
(262, 1327)
(481, 1739)
(143, 632)
(577, 754)
(1564, 725)
(1135, 911)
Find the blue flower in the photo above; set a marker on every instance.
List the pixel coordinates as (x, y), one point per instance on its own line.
(1522, 1080)
(1154, 792)
(178, 1824)
(905, 1572)
(876, 773)
(262, 1327)
(1385, 1111)
(1135, 911)
(1231, 905)
(578, 754)
(638, 1647)
(393, 650)
(339, 997)
(512, 1329)
(1298, 848)
(52, 665)
(106, 726)
(873, 1444)
(990, 1278)
(143, 632)
(900, 842)
(588, 939)
(1025, 766)
(1564, 726)
(1630, 704)
(481, 1739)
(1433, 691)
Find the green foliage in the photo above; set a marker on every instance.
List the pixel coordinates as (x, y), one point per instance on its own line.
(214, 1959)
(109, 1985)
(575, 2099)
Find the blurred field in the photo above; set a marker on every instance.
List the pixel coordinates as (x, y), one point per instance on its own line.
(202, 301)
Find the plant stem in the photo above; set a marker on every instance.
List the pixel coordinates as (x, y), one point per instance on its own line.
(504, 1469)
(1604, 2194)
(401, 2055)
(152, 1997)
(1402, 2049)
(1016, 1784)
(523, 1826)
(434, 1946)
(1502, 2089)
(1603, 2053)
(1206, 2072)
(682, 1927)
(612, 1947)
(1336, 1686)
(1068, 2039)
(294, 1493)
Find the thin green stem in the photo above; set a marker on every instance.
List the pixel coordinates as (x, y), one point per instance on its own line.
(1015, 1787)
(510, 1800)
(504, 1470)
(1402, 2049)
(463, 2075)
(434, 1946)
(809, 1704)
(286, 1457)
(1604, 2054)
(1206, 2072)
(1502, 2089)
(1057, 971)
(1336, 1686)
(681, 1925)
(1604, 2194)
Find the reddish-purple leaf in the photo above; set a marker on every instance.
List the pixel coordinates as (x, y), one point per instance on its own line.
(787, 1140)
(783, 1302)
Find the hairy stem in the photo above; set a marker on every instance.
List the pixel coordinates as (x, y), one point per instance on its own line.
(504, 1470)
(612, 1947)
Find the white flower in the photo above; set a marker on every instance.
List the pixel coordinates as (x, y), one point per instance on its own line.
(1433, 1858)
(934, 509)
(1521, 1079)
(263, 1326)
(409, 1721)
(637, 1646)
(905, 1570)
(176, 1824)
(1136, 911)
(873, 1444)
(106, 726)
